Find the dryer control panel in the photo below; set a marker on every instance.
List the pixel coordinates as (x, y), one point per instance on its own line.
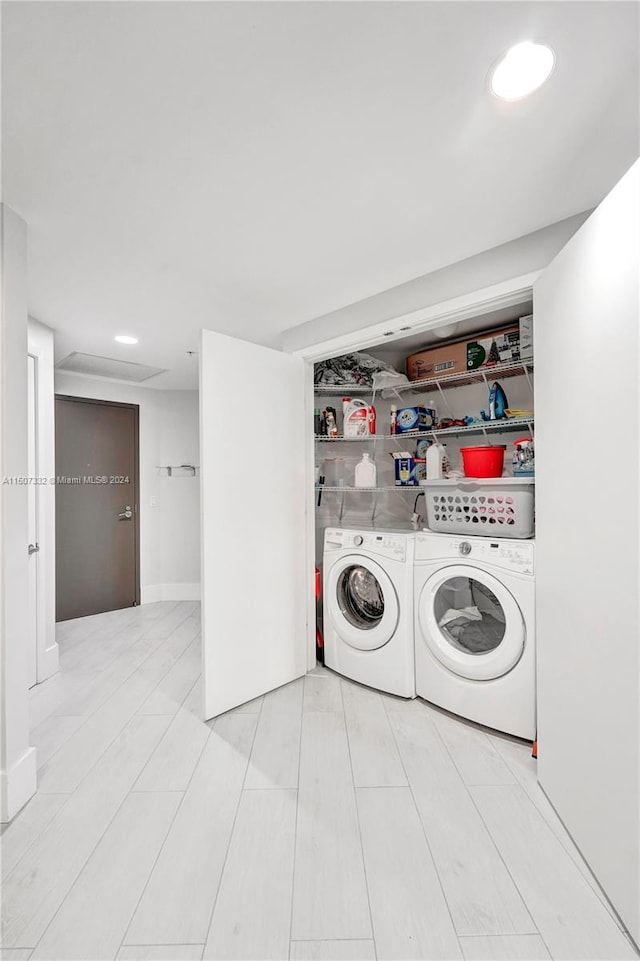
(381, 543)
(506, 554)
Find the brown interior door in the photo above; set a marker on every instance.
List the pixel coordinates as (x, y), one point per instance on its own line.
(97, 526)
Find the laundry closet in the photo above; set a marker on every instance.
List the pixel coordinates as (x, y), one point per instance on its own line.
(446, 615)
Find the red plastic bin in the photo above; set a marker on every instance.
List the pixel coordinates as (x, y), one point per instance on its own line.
(483, 461)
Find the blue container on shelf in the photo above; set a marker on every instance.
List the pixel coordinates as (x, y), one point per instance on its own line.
(409, 471)
(415, 418)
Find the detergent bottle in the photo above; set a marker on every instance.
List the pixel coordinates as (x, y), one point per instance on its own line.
(437, 462)
(365, 475)
(356, 418)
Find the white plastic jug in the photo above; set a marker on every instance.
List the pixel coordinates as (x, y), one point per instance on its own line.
(356, 418)
(437, 464)
(365, 475)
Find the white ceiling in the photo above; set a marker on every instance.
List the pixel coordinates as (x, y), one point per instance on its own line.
(249, 166)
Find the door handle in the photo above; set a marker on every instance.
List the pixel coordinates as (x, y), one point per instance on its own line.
(33, 548)
(125, 515)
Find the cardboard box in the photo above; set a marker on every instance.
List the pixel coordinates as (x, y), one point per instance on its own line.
(494, 347)
(487, 349)
(436, 361)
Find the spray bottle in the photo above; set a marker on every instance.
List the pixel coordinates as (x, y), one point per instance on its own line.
(332, 427)
(393, 425)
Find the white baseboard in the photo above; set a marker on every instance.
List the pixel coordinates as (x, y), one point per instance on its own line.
(170, 592)
(151, 594)
(17, 785)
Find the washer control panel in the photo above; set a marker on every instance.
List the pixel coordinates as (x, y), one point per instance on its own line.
(385, 544)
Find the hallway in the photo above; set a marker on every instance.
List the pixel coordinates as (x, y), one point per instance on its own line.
(323, 821)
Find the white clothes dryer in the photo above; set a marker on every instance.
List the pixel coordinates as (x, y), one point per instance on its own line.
(475, 629)
(368, 607)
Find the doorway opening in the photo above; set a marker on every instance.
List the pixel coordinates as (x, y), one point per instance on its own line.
(336, 502)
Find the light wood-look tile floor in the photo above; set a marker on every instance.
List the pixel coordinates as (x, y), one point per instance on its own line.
(323, 821)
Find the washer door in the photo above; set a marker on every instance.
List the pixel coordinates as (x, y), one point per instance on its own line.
(363, 603)
(471, 623)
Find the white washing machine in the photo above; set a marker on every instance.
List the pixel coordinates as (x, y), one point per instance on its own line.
(368, 607)
(475, 629)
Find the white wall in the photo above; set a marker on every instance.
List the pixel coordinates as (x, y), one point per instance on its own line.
(17, 758)
(514, 259)
(170, 531)
(587, 312)
(179, 496)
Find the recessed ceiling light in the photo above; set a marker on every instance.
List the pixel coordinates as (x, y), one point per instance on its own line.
(522, 70)
(125, 339)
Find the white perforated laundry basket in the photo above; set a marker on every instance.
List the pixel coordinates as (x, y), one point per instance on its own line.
(492, 506)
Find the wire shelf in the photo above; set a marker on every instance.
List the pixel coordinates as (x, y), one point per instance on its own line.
(513, 368)
(364, 490)
(323, 439)
(500, 426)
(499, 371)
(339, 389)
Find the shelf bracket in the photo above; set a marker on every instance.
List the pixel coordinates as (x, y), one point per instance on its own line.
(527, 375)
(374, 508)
(444, 399)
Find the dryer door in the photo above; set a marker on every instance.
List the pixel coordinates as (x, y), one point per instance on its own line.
(471, 623)
(362, 602)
